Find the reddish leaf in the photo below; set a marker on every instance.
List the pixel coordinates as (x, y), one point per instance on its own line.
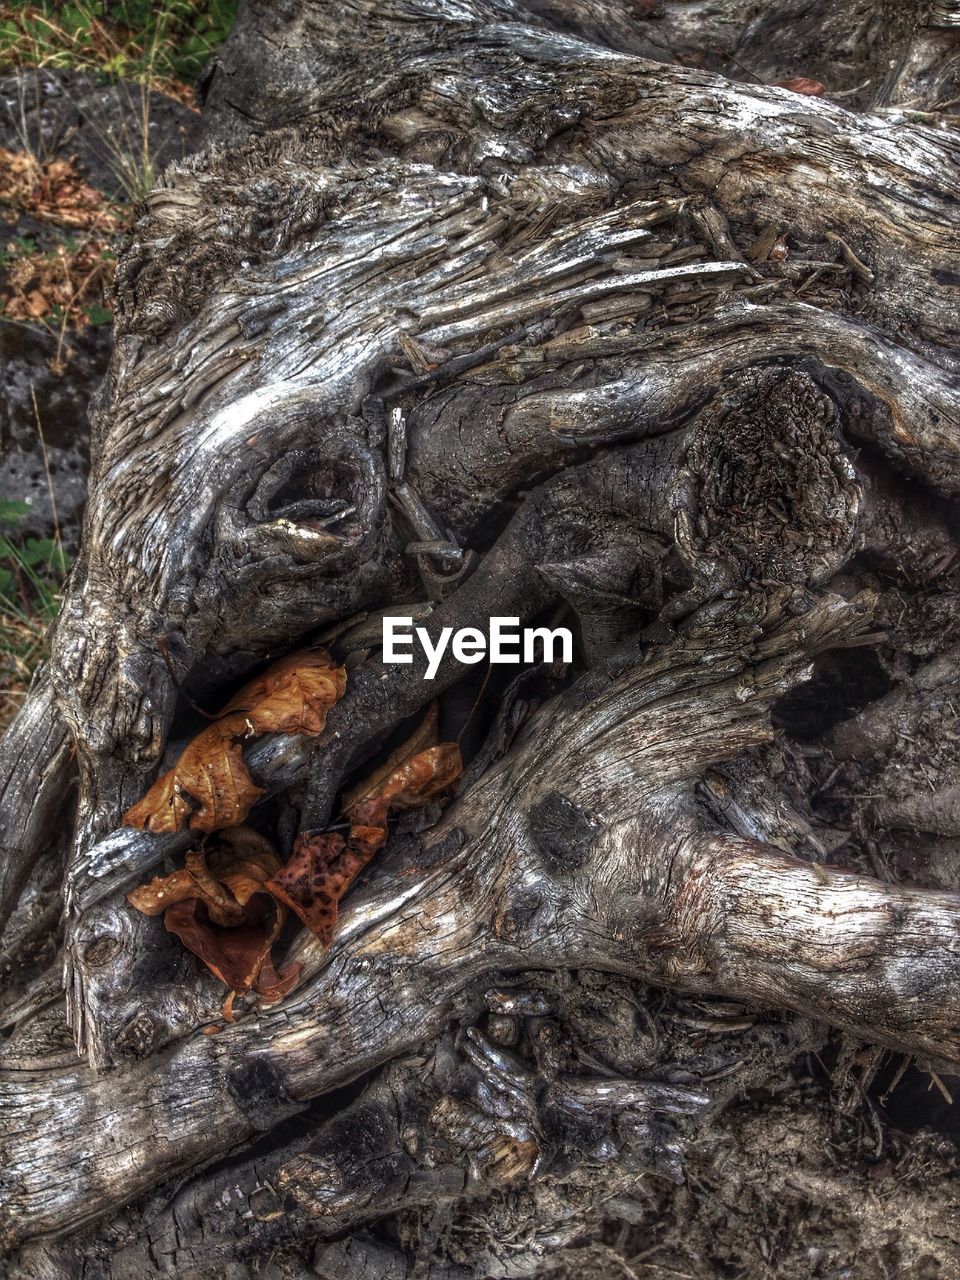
(219, 909)
(238, 955)
(323, 866)
(320, 871)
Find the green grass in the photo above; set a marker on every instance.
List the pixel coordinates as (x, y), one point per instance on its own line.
(32, 572)
(138, 46)
(159, 43)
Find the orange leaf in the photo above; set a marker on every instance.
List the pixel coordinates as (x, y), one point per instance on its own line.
(209, 787)
(225, 884)
(323, 867)
(228, 909)
(423, 776)
(222, 912)
(164, 891)
(425, 735)
(212, 773)
(800, 84)
(292, 696)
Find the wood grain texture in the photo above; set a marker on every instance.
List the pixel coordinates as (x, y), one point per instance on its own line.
(484, 309)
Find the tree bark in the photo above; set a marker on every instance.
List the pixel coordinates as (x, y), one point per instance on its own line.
(539, 311)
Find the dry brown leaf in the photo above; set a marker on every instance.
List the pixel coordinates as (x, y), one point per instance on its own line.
(54, 192)
(425, 735)
(318, 874)
(238, 955)
(73, 279)
(37, 304)
(417, 780)
(292, 696)
(322, 867)
(163, 891)
(800, 84)
(222, 911)
(210, 788)
(228, 908)
(225, 883)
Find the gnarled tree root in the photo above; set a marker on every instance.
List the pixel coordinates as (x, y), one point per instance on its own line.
(578, 849)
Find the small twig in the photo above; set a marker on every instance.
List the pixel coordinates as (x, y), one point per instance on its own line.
(858, 267)
(57, 540)
(900, 1072)
(441, 549)
(165, 655)
(730, 58)
(935, 1080)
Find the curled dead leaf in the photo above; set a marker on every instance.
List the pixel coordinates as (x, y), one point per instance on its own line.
(239, 955)
(422, 777)
(320, 871)
(292, 696)
(210, 788)
(424, 736)
(800, 84)
(221, 910)
(323, 866)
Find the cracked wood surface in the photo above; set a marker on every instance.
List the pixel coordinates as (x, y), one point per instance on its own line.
(483, 317)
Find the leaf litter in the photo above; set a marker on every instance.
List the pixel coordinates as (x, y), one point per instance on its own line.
(230, 901)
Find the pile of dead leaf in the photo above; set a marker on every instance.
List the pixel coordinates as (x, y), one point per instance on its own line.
(54, 192)
(65, 286)
(229, 903)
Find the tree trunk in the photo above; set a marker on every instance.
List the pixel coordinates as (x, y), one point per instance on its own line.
(570, 314)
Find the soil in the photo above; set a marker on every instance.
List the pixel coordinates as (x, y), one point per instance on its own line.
(65, 115)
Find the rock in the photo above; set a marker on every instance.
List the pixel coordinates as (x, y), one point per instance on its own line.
(61, 406)
(65, 114)
(70, 114)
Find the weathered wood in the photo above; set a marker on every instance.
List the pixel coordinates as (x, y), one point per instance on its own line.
(732, 917)
(35, 799)
(515, 319)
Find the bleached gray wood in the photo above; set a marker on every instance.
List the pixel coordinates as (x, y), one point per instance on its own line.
(496, 290)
